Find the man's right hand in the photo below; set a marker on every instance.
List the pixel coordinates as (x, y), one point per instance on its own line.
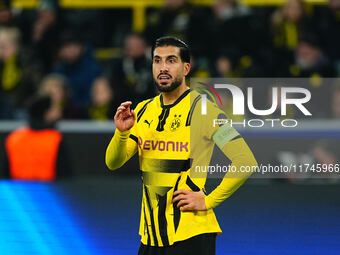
(124, 117)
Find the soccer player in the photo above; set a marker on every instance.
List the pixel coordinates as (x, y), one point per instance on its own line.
(177, 216)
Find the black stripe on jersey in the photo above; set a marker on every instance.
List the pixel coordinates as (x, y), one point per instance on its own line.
(192, 185)
(167, 165)
(177, 211)
(162, 119)
(151, 216)
(162, 223)
(236, 137)
(192, 108)
(175, 165)
(147, 226)
(141, 111)
(134, 138)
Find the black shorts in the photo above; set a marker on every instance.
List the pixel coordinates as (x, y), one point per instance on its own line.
(204, 244)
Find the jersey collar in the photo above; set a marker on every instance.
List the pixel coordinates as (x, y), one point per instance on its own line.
(177, 100)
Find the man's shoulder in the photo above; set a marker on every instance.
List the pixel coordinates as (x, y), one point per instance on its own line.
(143, 104)
(194, 93)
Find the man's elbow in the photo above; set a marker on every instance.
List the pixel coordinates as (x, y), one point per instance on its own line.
(111, 164)
(110, 167)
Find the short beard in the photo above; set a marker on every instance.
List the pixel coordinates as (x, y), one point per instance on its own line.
(174, 85)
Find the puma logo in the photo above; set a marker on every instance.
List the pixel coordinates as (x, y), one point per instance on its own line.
(147, 122)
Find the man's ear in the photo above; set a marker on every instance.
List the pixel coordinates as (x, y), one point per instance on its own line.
(187, 68)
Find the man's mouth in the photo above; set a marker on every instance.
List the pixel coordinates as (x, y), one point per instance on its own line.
(164, 77)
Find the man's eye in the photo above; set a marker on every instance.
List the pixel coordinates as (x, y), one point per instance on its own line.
(172, 61)
(156, 60)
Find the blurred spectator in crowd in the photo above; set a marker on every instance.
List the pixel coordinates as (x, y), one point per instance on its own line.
(335, 102)
(102, 100)
(45, 33)
(199, 69)
(6, 17)
(132, 71)
(230, 17)
(228, 66)
(20, 73)
(55, 86)
(327, 23)
(36, 152)
(98, 26)
(224, 66)
(238, 35)
(77, 64)
(309, 60)
(173, 20)
(181, 19)
(288, 22)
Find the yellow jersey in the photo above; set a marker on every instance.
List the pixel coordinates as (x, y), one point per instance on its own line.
(161, 135)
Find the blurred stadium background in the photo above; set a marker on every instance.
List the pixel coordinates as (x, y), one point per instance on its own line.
(90, 55)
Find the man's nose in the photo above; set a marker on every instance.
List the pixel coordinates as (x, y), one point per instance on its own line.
(164, 68)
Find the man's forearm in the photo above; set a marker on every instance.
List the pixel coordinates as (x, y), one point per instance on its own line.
(119, 150)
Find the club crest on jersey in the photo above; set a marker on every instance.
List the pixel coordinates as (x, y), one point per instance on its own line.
(175, 123)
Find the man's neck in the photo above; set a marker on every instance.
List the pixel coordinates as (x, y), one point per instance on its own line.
(171, 97)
